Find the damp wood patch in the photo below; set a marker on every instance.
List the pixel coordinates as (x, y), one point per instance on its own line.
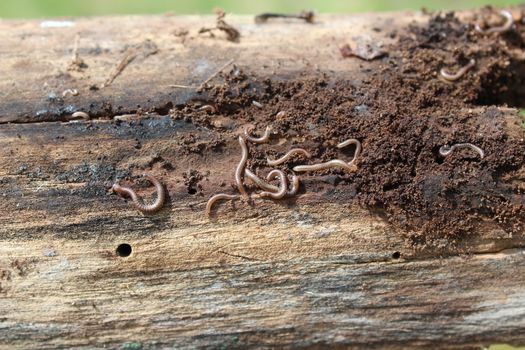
(354, 175)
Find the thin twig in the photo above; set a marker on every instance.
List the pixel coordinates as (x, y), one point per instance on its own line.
(145, 48)
(307, 16)
(130, 55)
(215, 74)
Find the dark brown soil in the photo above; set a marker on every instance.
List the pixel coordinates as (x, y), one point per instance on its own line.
(402, 114)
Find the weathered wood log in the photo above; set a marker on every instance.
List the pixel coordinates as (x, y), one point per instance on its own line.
(81, 267)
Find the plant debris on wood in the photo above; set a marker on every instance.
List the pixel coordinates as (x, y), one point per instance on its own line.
(307, 16)
(232, 34)
(144, 49)
(363, 47)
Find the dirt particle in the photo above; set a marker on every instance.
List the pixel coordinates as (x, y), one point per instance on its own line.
(363, 47)
(192, 179)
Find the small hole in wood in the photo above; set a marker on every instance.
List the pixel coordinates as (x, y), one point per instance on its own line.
(192, 190)
(124, 250)
(396, 255)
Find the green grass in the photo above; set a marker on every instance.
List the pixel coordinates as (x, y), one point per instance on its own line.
(503, 347)
(64, 8)
(522, 115)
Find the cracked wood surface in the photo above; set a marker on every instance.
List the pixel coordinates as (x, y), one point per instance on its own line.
(305, 273)
(311, 272)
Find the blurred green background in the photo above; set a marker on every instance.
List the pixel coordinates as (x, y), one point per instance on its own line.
(61, 8)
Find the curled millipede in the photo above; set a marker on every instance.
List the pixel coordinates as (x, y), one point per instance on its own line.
(288, 156)
(455, 76)
(357, 144)
(509, 21)
(282, 188)
(260, 182)
(217, 197)
(239, 171)
(137, 200)
(261, 139)
(271, 188)
(66, 92)
(446, 150)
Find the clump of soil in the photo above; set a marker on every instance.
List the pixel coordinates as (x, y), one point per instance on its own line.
(192, 179)
(403, 113)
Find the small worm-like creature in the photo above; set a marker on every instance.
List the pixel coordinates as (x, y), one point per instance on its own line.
(357, 144)
(217, 197)
(509, 21)
(82, 115)
(260, 182)
(73, 92)
(455, 76)
(446, 150)
(239, 171)
(288, 156)
(137, 200)
(207, 108)
(282, 188)
(271, 188)
(335, 163)
(280, 115)
(261, 139)
(257, 104)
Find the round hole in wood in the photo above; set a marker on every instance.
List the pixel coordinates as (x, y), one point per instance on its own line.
(124, 250)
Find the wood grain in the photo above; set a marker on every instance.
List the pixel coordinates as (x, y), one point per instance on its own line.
(309, 272)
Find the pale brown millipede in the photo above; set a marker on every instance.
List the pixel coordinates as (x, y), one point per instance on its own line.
(446, 150)
(137, 200)
(335, 163)
(261, 139)
(282, 188)
(216, 198)
(260, 182)
(455, 76)
(82, 115)
(280, 115)
(271, 188)
(288, 156)
(357, 144)
(66, 92)
(509, 21)
(207, 108)
(239, 171)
